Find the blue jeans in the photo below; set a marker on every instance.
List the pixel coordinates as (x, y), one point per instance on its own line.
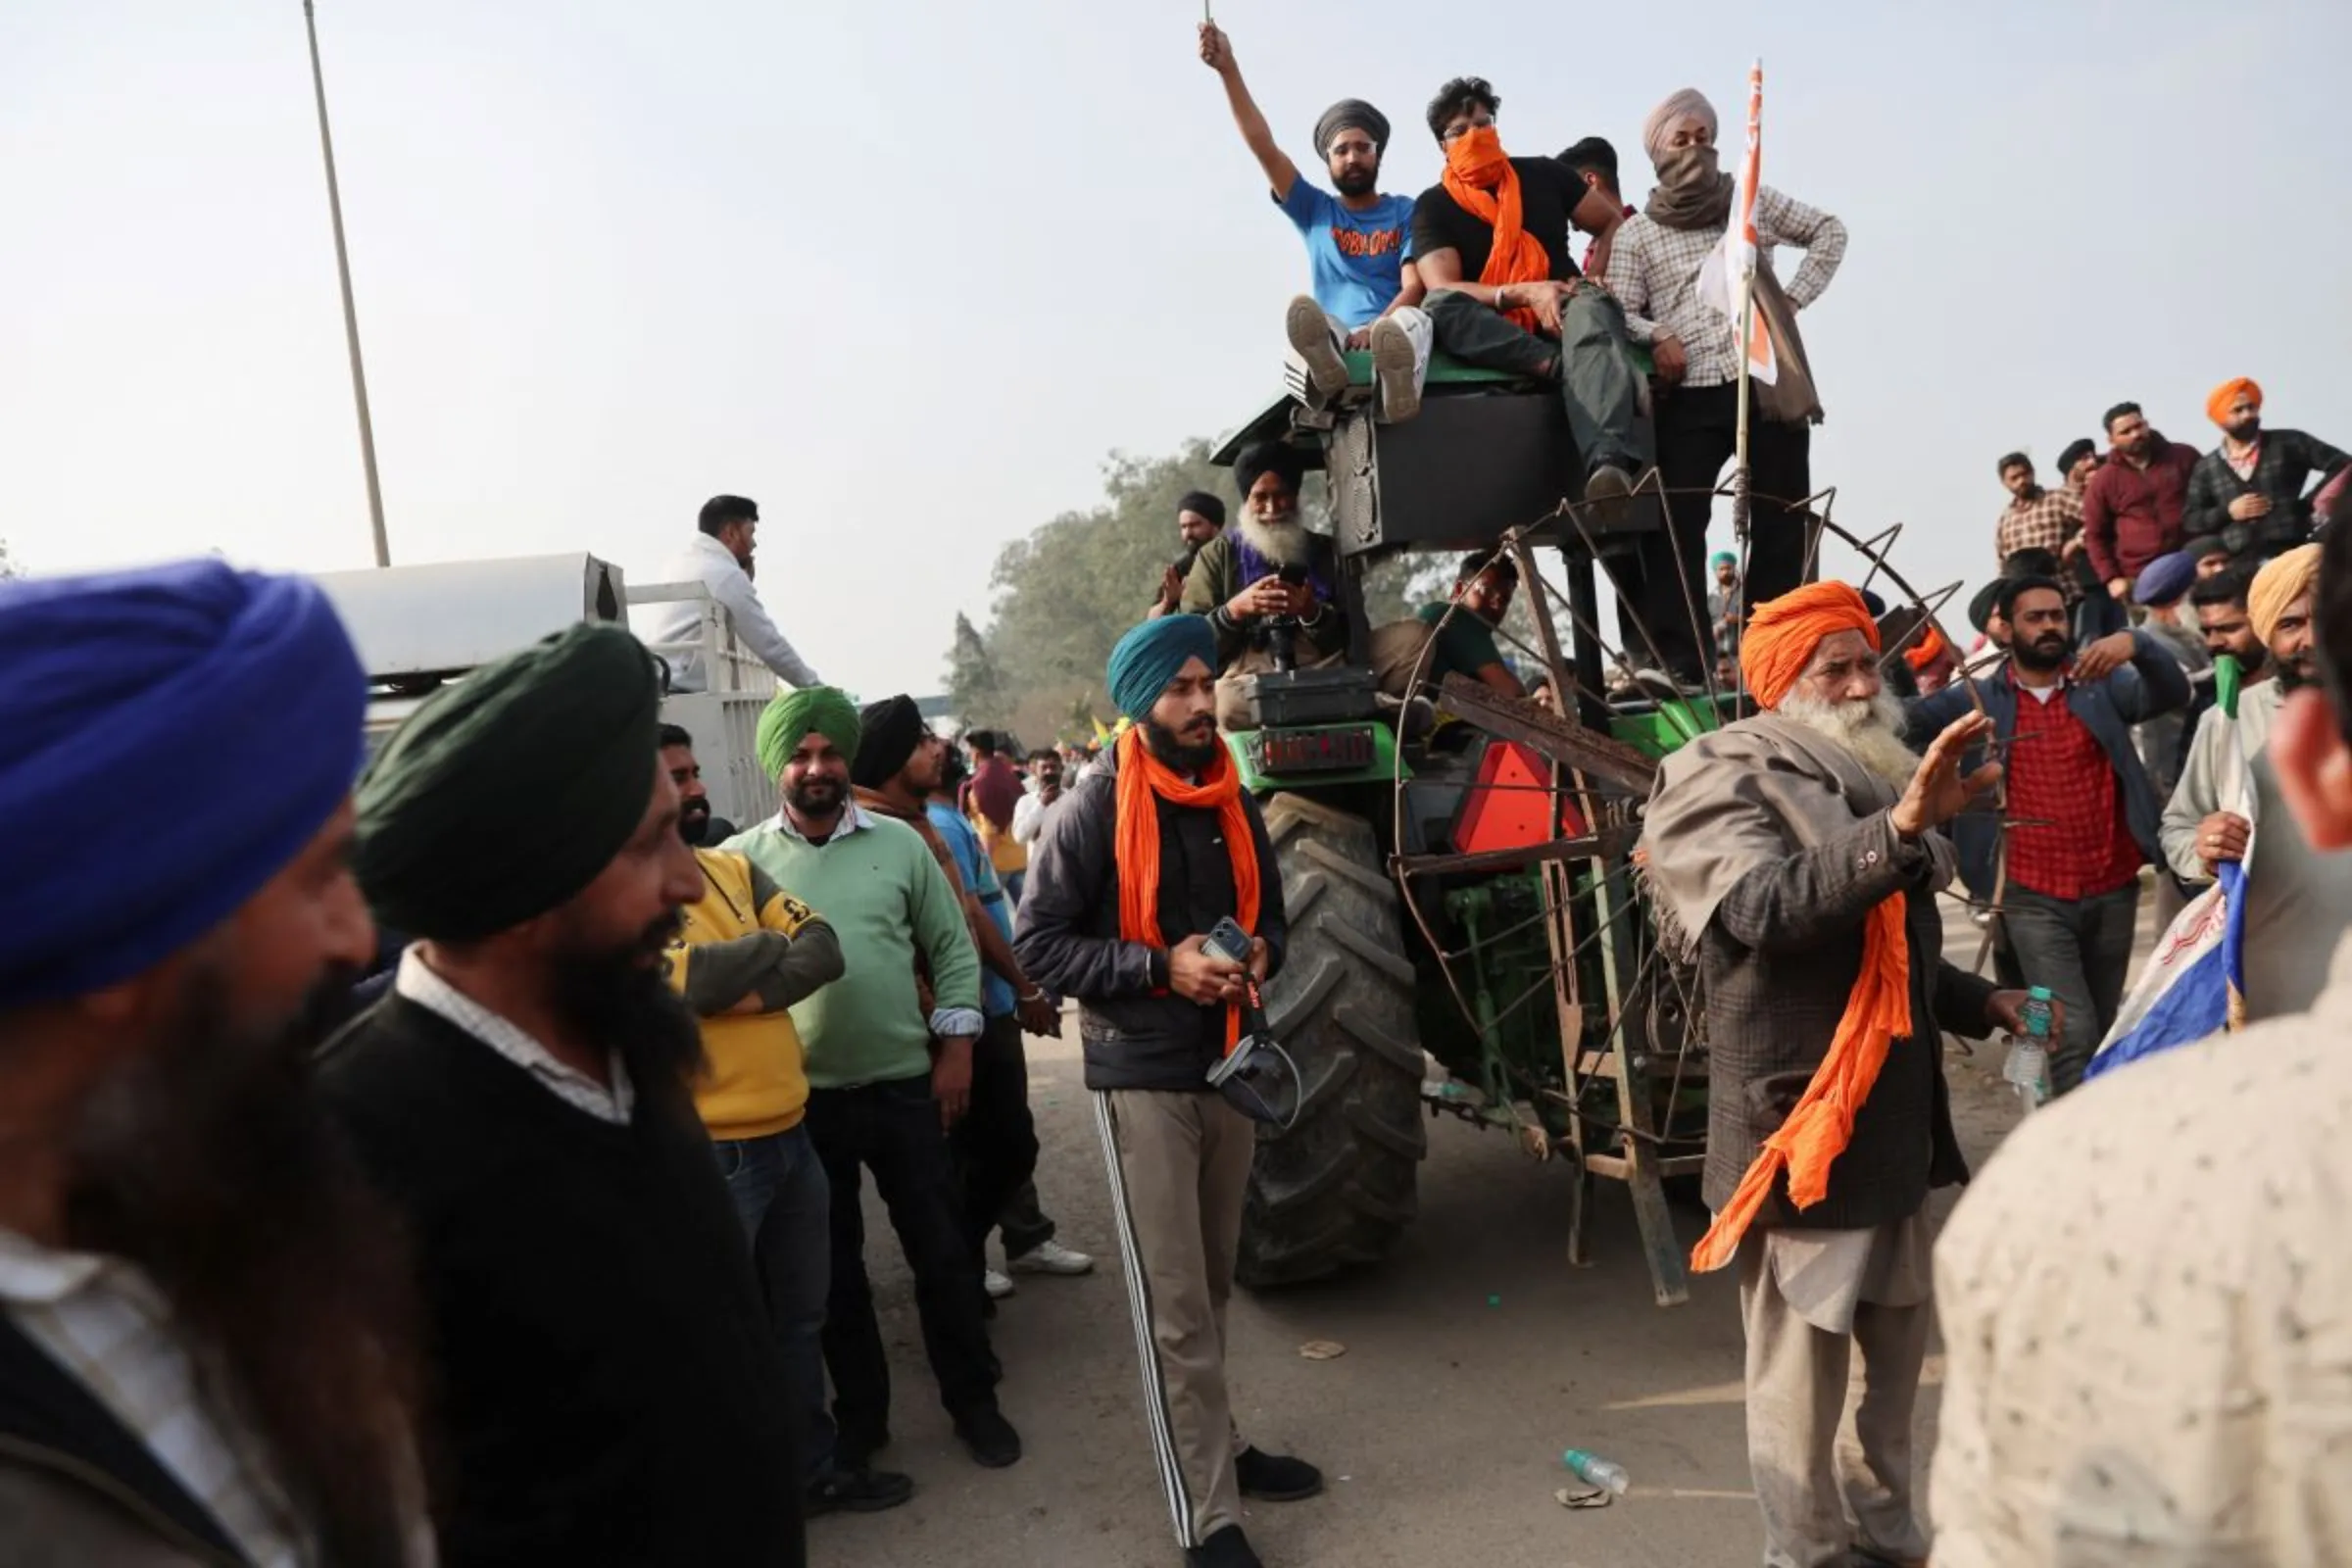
(786, 1205)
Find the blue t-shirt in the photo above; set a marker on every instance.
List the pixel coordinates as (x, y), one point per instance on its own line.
(1357, 259)
(996, 998)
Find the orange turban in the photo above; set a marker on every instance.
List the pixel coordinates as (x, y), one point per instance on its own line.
(1782, 633)
(2217, 406)
(1930, 647)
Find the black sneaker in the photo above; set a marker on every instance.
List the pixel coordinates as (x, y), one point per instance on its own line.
(857, 1492)
(1272, 1478)
(990, 1439)
(1227, 1548)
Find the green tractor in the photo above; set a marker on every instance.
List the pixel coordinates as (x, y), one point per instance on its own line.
(1459, 873)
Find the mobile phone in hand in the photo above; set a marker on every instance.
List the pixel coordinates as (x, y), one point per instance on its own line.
(1227, 941)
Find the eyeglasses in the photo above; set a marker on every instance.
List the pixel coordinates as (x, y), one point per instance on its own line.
(1355, 146)
(1478, 121)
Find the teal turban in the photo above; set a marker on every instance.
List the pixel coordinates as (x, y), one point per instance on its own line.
(1149, 657)
(789, 719)
(511, 788)
(1723, 557)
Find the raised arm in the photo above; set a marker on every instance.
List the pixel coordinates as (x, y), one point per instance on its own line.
(1819, 893)
(1216, 53)
(2153, 685)
(1781, 220)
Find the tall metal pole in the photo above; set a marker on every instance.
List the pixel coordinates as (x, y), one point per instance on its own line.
(350, 314)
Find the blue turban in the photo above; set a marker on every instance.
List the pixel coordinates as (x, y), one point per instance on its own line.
(1149, 657)
(174, 737)
(2165, 579)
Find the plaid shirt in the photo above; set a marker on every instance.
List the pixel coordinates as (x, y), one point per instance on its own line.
(2046, 523)
(2283, 463)
(2069, 838)
(1653, 271)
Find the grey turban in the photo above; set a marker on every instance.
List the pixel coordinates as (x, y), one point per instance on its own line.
(1351, 113)
(1660, 124)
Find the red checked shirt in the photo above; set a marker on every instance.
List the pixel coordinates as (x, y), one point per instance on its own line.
(2067, 834)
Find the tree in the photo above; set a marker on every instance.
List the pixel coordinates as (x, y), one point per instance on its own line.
(974, 685)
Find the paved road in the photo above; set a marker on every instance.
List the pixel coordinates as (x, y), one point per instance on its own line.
(1474, 1355)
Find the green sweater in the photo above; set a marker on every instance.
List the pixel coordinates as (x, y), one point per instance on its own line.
(886, 897)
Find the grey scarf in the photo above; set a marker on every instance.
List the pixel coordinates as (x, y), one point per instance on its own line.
(1695, 194)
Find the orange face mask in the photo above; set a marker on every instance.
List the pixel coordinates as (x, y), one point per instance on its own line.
(1479, 178)
(1475, 157)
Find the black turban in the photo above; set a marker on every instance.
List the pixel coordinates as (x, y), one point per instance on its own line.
(888, 732)
(513, 788)
(1262, 457)
(1980, 608)
(2076, 451)
(1351, 113)
(1201, 501)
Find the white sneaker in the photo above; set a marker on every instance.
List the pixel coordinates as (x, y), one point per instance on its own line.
(1310, 337)
(1393, 361)
(997, 1285)
(1051, 1258)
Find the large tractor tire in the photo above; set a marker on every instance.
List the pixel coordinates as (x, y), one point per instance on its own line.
(1337, 1187)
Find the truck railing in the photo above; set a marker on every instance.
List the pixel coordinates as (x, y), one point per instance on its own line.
(728, 666)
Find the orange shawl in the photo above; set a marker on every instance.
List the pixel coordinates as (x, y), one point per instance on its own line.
(1817, 1131)
(1136, 840)
(1778, 645)
(1481, 180)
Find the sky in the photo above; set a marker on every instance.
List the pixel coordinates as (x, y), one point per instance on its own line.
(907, 275)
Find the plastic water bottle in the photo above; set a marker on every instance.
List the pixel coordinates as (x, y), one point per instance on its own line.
(1594, 1470)
(2027, 1068)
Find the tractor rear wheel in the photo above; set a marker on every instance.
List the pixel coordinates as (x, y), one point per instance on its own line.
(1337, 1187)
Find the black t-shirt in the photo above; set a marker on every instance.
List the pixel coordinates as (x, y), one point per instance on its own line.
(1546, 193)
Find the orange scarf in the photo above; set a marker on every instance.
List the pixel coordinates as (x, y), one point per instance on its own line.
(1482, 181)
(1817, 1131)
(1142, 777)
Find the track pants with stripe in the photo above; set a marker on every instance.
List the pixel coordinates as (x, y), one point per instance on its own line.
(1179, 1167)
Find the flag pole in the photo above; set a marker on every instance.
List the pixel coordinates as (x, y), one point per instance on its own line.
(1742, 504)
(350, 314)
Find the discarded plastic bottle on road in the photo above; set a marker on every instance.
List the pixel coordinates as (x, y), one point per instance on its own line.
(2027, 1068)
(1594, 1470)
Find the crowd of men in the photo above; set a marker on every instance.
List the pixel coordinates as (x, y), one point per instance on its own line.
(2162, 561)
(549, 1244)
(1480, 266)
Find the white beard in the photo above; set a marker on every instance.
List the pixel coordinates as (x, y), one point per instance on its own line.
(1872, 730)
(1285, 544)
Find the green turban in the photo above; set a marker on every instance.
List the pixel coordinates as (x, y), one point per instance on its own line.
(789, 719)
(511, 789)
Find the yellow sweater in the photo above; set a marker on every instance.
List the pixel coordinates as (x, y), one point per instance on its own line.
(747, 950)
